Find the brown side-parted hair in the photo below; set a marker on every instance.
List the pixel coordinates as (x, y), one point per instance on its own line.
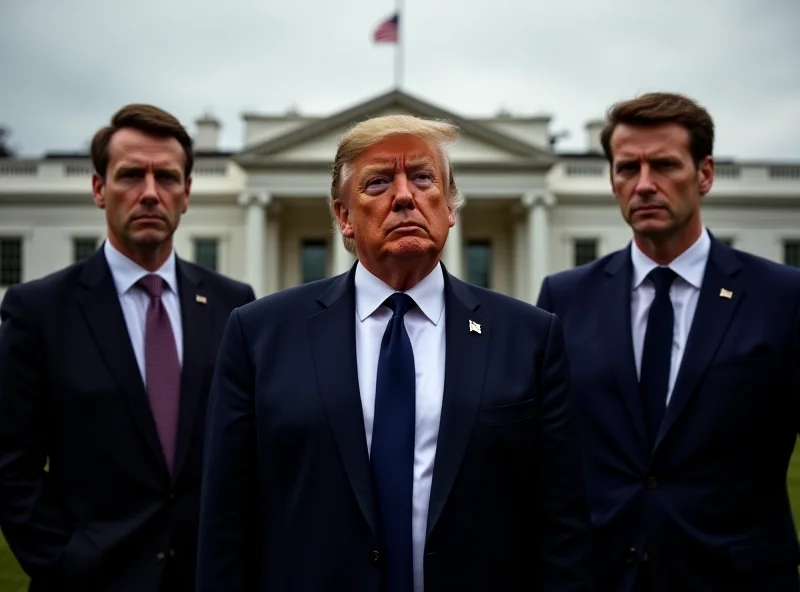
(145, 118)
(658, 108)
(371, 131)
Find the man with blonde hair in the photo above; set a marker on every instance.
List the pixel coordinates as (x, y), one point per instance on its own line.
(392, 429)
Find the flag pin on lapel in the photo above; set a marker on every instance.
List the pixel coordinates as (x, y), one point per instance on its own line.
(200, 299)
(723, 293)
(473, 326)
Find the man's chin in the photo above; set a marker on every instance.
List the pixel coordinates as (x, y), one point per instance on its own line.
(149, 238)
(653, 227)
(410, 247)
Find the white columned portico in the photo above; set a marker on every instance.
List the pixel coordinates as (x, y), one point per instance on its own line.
(538, 204)
(342, 258)
(453, 257)
(255, 204)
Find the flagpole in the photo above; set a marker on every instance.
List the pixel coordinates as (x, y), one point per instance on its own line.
(398, 48)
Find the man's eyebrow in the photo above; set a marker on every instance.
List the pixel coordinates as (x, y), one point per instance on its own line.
(389, 165)
(421, 163)
(373, 169)
(129, 167)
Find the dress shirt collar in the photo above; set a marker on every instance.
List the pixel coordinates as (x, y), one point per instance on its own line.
(428, 294)
(127, 272)
(689, 265)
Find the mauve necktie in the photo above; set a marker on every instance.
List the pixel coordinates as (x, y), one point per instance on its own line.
(162, 368)
(657, 352)
(392, 449)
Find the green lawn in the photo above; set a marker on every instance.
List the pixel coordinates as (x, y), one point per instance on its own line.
(13, 580)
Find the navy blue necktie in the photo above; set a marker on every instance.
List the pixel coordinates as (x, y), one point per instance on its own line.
(392, 450)
(657, 352)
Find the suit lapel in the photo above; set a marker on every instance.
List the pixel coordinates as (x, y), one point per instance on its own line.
(465, 365)
(618, 333)
(710, 322)
(333, 342)
(99, 304)
(194, 317)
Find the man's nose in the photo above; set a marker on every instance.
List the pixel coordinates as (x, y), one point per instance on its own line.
(645, 184)
(150, 192)
(402, 192)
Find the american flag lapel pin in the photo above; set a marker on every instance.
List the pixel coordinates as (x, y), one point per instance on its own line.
(723, 293)
(473, 326)
(200, 299)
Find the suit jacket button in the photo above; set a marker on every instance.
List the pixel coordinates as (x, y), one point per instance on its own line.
(630, 557)
(160, 557)
(376, 557)
(651, 483)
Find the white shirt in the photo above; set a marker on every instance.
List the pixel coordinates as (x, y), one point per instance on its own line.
(134, 300)
(425, 326)
(690, 267)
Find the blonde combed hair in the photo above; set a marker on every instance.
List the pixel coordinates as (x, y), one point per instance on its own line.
(371, 131)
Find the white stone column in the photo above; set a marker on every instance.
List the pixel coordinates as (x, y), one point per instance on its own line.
(520, 251)
(453, 256)
(538, 204)
(255, 204)
(273, 255)
(342, 258)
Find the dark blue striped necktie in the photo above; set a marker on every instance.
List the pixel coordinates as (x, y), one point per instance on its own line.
(657, 352)
(392, 450)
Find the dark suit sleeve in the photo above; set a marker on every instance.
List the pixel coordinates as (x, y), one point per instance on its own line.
(228, 512)
(544, 301)
(795, 363)
(250, 295)
(563, 515)
(31, 521)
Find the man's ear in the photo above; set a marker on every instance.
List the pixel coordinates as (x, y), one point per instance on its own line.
(187, 197)
(99, 190)
(705, 174)
(343, 217)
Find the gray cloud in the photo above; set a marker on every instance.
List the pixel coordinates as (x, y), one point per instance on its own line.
(68, 65)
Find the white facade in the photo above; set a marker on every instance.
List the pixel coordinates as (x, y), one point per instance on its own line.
(258, 214)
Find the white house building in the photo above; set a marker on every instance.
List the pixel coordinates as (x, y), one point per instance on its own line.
(260, 214)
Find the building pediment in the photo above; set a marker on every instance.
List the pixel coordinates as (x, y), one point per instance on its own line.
(315, 142)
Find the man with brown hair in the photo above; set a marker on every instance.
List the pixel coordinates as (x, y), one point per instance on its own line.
(392, 429)
(105, 368)
(686, 369)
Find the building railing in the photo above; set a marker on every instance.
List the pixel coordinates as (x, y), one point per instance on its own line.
(578, 176)
(588, 177)
(72, 177)
(12, 167)
(776, 172)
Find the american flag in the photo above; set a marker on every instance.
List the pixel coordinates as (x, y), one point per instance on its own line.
(387, 30)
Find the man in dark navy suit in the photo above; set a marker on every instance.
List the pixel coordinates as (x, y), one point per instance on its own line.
(686, 368)
(105, 368)
(392, 429)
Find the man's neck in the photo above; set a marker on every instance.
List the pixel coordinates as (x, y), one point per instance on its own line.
(664, 250)
(149, 259)
(401, 277)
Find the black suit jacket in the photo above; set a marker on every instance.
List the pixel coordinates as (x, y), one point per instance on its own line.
(709, 504)
(287, 501)
(106, 516)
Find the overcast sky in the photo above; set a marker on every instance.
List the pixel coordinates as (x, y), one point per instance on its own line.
(67, 65)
